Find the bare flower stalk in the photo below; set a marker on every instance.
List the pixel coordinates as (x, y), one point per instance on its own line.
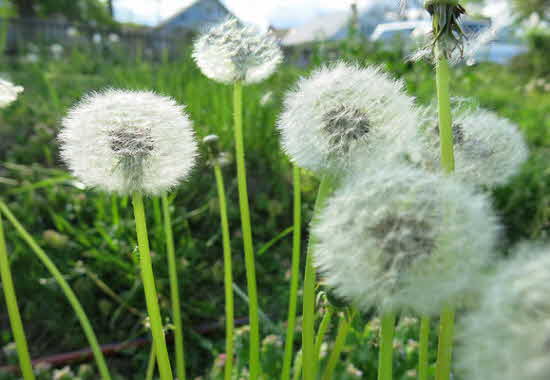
(295, 276)
(13, 310)
(174, 289)
(216, 161)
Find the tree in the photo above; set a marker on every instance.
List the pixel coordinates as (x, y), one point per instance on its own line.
(85, 11)
(526, 8)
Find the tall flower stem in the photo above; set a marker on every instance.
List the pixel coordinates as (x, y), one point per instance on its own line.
(308, 319)
(423, 356)
(228, 274)
(174, 289)
(13, 310)
(71, 297)
(341, 335)
(295, 276)
(445, 118)
(254, 363)
(150, 290)
(385, 362)
(445, 345)
(150, 372)
(446, 329)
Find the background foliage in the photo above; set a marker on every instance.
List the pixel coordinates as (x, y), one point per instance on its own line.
(94, 244)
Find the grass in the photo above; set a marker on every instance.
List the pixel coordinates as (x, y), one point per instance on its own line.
(76, 228)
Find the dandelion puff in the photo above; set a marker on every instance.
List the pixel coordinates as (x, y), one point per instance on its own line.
(128, 141)
(489, 150)
(342, 109)
(400, 239)
(508, 336)
(230, 52)
(8, 93)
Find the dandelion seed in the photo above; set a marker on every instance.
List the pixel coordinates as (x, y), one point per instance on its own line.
(114, 38)
(57, 51)
(230, 52)
(342, 109)
(393, 234)
(128, 141)
(72, 32)
(8, 93)
(508, 337)
(489, 150)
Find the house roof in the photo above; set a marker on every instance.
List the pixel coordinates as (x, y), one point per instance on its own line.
(176, 15)
(325, 27)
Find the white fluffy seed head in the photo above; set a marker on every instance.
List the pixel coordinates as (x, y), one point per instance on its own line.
(489, 150)
(344, 109)
(508, 336)
(231, 52)
(398, 238)
(128, 141)
(8, 93)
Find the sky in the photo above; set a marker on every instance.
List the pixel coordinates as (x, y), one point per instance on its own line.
(281, 13)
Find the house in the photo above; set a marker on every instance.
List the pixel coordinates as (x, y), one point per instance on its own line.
(194, 18)
(335, 26)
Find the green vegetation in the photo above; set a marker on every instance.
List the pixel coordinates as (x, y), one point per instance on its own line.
(98, 257)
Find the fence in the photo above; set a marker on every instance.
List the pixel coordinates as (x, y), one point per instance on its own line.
(24, 36)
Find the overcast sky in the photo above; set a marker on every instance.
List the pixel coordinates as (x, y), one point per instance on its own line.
(281, 13)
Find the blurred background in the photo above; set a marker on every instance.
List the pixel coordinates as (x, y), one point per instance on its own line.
(61, 49)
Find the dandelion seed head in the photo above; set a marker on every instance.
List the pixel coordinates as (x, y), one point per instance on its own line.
(341, 110)
(508, 336)
(230, 52)
(128, 141)
(8, 93)
(392, 234)
(489, 150)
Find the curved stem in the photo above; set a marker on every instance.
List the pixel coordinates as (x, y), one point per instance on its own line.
(295, 276)
(323, 327)
(423, 353)
(445, 118)
(71, 297)
(228, 275)
(385, 363)
(151, 364)
(444, 353)
(343, 328)
(13, 310)
(149, 288)
(174, 289)
(308, 319)
(445, 344)
(254, 363)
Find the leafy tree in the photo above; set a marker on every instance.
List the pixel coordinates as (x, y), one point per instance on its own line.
(87, 11)
(526, 8)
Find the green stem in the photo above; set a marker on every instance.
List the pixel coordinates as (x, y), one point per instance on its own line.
(148, 279)
(254, 362)
(445, 344)
(297, 366)
(174, 289)
(445, 118)
(308, 319)
(228, 274)
(423, 353)
(385, 363)
(323, 327)
(114, 210)
(295, 276)
(71, 297)
(151, 364)
(343, 328)
(13, 310)
(444, 352)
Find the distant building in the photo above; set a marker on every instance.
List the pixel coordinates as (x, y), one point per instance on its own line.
(194, 18)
